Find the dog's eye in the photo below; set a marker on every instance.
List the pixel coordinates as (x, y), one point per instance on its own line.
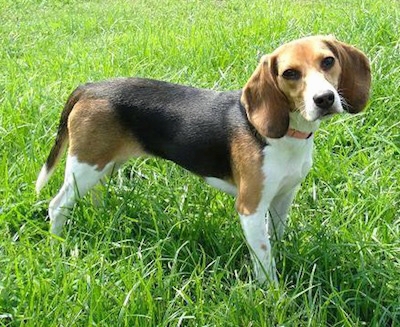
(327, 63)
(291, 74)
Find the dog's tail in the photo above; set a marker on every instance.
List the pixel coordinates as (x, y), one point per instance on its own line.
(60, 143)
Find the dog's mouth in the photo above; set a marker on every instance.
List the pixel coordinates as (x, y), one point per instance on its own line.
(328, 114)
(324, 115)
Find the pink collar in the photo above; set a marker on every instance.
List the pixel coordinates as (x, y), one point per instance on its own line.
(298, 134)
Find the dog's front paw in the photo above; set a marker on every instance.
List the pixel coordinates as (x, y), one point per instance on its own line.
(266, 274)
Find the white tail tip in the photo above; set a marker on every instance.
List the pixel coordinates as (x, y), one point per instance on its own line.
(42, 179)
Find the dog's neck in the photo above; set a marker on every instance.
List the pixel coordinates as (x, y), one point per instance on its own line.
(298, 134)
(300, 128)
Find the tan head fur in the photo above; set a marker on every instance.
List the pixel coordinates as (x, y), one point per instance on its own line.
(296, 75)
(355, 80)
(266, 106)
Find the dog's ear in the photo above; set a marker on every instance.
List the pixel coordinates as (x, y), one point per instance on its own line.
(355, 79)
(267, 108)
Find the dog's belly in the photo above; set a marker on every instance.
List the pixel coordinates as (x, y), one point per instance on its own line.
(221, 185)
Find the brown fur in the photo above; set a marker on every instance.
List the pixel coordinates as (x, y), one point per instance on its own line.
(355, 80)
(62, 135)
(266, 106)
(305, 57)
(247, 174)
(96, 137)
(268, 97)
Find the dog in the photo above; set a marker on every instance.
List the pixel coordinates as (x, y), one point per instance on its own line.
(255, 143)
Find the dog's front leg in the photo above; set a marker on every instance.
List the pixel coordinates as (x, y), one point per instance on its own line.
(252, 203)
(253, 220)
(255, 232)
(257, 238)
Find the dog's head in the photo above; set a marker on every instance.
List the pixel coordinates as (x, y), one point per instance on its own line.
(317, 76)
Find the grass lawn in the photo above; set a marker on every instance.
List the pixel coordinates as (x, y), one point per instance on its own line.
(165, 249)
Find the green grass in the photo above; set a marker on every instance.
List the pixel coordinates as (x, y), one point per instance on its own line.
(165, 249)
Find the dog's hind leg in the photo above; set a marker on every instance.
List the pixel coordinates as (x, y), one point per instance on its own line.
(79, 178)
(97, 144)
(97, 192)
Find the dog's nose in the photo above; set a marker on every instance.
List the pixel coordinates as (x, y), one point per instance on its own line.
(324, 100)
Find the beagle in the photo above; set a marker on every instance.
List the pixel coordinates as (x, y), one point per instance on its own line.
(255, 143)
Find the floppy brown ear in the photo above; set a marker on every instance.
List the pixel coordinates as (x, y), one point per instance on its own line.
(355, 79)
(267, 108)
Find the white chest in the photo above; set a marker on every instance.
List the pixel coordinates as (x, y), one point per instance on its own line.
(287, 162)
